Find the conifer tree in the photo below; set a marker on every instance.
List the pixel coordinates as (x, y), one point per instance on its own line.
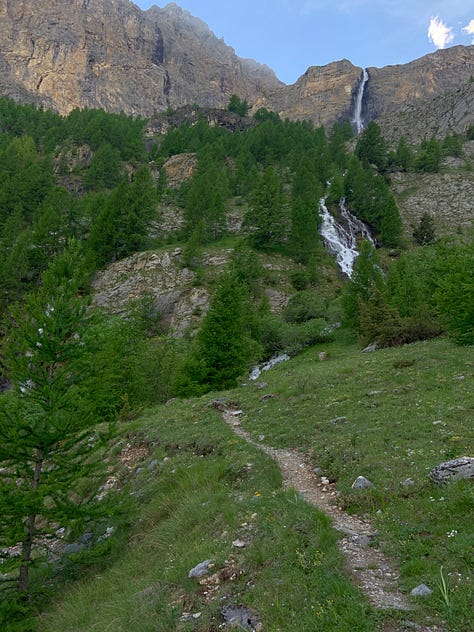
(371, 148)
(366, 278)
(48, 437)
(424, 233)
(223, 348)
(267, 214)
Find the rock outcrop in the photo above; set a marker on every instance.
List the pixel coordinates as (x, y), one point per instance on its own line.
(449, 113)
(324, 94)
(394, 87)
(110, 54)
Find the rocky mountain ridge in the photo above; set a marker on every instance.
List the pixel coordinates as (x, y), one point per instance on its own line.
(112, 55)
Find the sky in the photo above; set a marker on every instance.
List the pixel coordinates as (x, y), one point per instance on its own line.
(291, 35)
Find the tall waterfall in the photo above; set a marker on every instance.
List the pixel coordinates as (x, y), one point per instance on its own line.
(341, 237)
(357, 119)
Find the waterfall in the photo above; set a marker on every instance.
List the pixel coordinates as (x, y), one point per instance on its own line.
(341, 237)
(357, 120)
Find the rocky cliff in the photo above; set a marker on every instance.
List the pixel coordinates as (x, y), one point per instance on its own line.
(323, 94)
(449, 113)
(109, 54)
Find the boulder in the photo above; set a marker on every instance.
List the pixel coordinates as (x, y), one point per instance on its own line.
(362, 483)
(200, 570)
(457, 469)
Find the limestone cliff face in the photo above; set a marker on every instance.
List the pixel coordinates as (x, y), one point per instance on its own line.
(323, 94)
(450, 113)
(109, 54)
(393, 87)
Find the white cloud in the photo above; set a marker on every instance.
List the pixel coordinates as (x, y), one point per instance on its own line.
(439, 33)
(470, 29)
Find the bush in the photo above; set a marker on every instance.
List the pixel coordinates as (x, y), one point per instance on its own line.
(299, 279)
(303, 306)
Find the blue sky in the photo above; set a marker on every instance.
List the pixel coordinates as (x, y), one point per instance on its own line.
(290, 35)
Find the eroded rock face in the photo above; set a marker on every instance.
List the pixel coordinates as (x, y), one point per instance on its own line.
(450, 113)
(324, 94)
(111, 55)
(394, 87)
(447, 197)
(161, 277)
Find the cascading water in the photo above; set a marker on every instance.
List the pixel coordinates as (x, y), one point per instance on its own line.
(341, 237)
(357, 119)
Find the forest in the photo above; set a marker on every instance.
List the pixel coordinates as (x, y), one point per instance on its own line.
(83, 191)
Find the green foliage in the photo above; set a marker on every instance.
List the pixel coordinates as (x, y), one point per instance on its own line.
(424, 233)
(223, 348)
(205, 198)
(104, 169)
(452, 146)
(50, 440)
(304, 305)
(366, 279)
(305, 219)
(455, 291)
(371, 200)
(121, 226)
(403, 156)
(266, 216)
(299, 279)
(371, 148)
(238, 106)
(429, 157)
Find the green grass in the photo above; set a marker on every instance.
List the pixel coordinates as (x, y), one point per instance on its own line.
(403, 412)
(210, 489)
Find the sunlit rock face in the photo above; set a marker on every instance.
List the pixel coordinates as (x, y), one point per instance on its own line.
(110, 54)
(393, 87)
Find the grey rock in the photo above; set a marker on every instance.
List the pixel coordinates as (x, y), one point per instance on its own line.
(408, 482)
(200, 570)
(362, 483)
(241, 617)
(338, 420)
(421, 591)
(73, 548)
(152, 465)
(456, 469)
(370, 348)
(83, 542)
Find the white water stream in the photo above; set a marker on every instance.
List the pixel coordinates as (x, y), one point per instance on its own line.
(357, 120)
(341, 237)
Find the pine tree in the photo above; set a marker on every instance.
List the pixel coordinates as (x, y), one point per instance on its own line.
(49, 440)
(366, 278)
(267, 214)
(424, 233)
(223, 347)
(371, 148)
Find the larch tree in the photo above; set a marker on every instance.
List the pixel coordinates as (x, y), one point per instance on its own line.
(49, 441)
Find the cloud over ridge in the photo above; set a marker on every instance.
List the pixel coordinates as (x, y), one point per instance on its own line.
(439, 33)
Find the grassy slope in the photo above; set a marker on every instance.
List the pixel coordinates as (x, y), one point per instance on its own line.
(212, 489)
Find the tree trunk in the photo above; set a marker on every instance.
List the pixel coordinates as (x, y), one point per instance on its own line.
(27, 544)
